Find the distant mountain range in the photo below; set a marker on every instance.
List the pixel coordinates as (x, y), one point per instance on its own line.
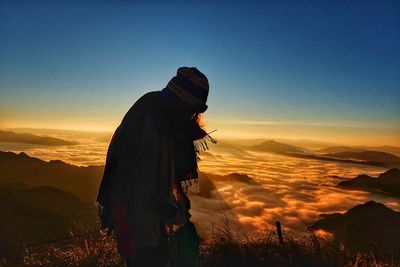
(339, 154)
(337, 149)
(309, 144)
(237, 177)
(387, 182)
(387, 149)
(63, 132)
(372, 156)
(368, 227)
(7, 136)
(276, 147)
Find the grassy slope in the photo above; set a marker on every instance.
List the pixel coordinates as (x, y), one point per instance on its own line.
(32, 215)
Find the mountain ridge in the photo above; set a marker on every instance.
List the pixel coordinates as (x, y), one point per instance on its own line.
(28, 138)
(387, 182)
(365, 227)
(367, 155)
(276, 147)
(79, 180)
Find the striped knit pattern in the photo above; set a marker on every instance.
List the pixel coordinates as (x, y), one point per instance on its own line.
(188, 90)
(198, 81)
(179, 91)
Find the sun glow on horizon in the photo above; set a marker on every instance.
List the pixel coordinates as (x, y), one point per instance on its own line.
(336, 135)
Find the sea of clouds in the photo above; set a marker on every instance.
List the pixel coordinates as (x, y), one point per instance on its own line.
(291, 190)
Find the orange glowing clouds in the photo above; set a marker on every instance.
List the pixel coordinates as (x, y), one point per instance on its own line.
(292, 190)
(252, 189)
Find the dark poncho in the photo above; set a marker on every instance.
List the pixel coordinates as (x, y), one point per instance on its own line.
(150, 149)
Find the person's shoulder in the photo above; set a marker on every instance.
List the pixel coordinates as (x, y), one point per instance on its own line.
(146, 101)
(146, 104)
(150, 97)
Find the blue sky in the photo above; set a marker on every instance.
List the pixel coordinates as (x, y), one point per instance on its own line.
(278, 62)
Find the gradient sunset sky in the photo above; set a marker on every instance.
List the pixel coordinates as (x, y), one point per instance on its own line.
(323, 70)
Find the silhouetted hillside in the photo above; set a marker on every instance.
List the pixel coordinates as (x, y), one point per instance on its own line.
(366, 227)
(338, 149)
(238, 177)
(51, 210)
(7, 136)
(273, 146)
(21, 168)
(372, 156)
(358, 156)
(388, 182)
(39, 214)
(388, 149)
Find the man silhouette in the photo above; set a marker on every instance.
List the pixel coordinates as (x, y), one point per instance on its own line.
(151, 163)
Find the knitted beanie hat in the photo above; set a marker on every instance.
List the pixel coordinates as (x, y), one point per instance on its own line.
(188, 90)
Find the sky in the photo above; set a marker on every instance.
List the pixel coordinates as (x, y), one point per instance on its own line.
(323, 70)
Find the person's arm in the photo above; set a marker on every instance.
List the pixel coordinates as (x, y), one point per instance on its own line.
(183, 215)
(181, 197)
